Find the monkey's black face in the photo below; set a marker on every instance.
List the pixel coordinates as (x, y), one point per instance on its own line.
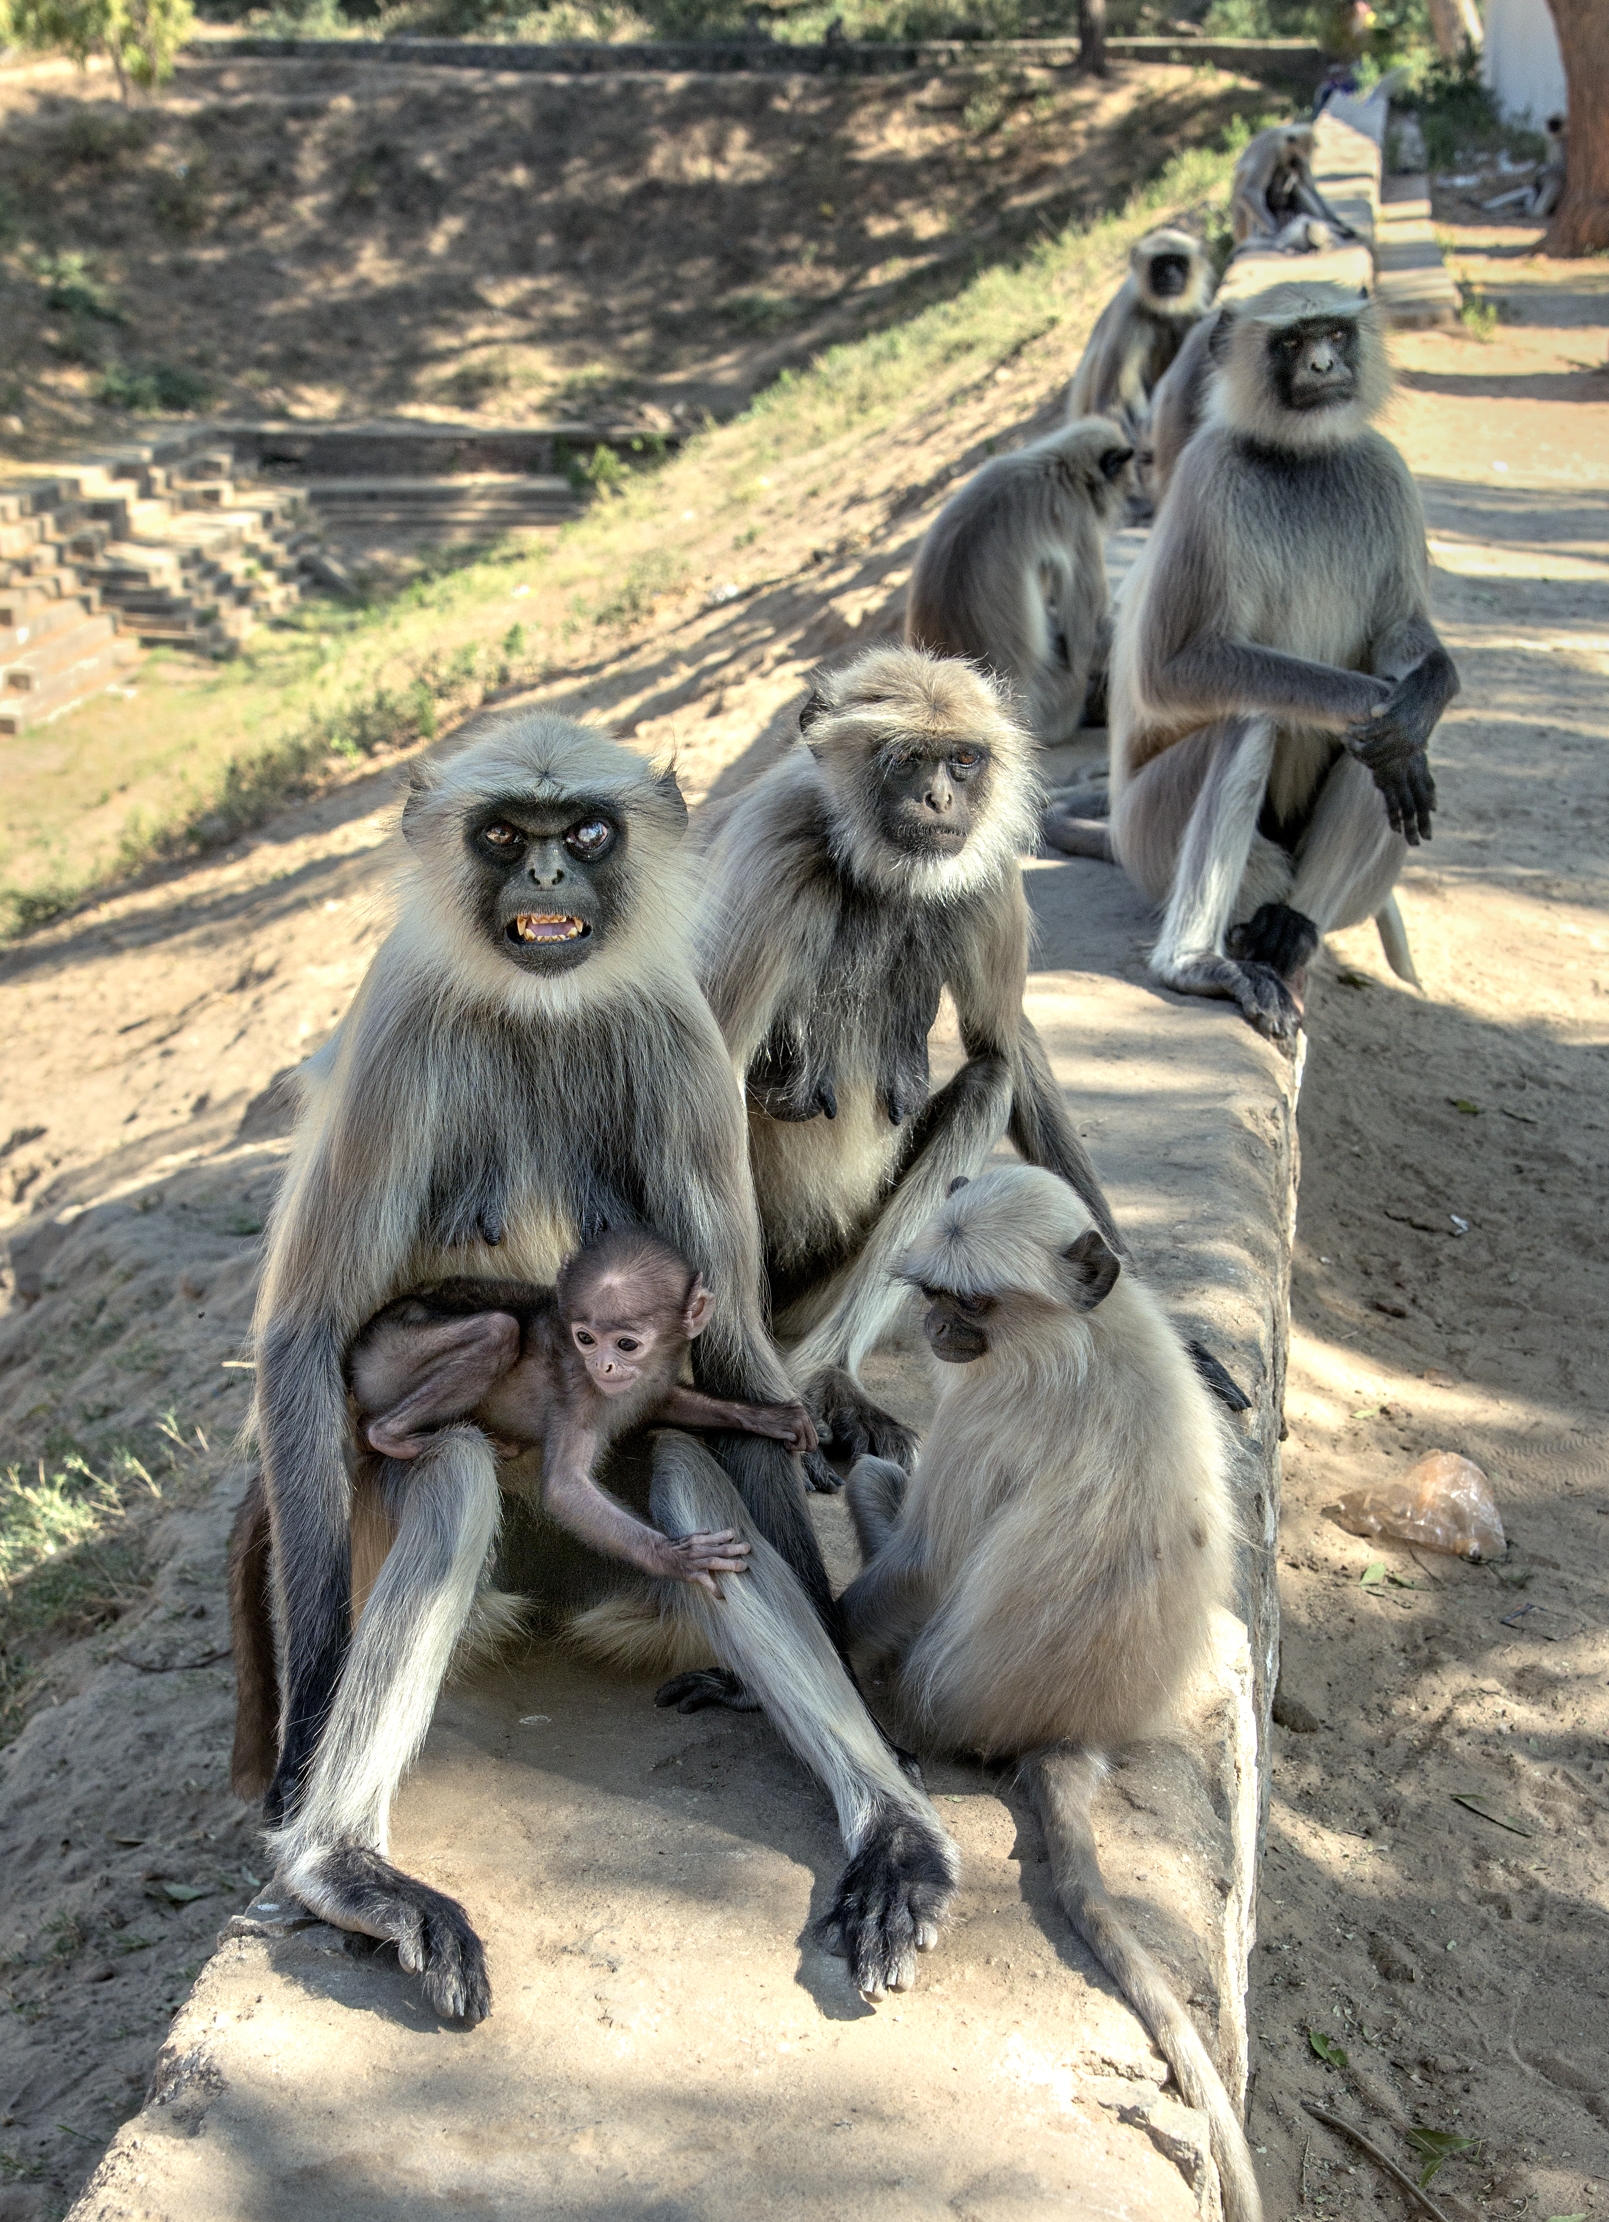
(551, 878)
(926, 804)
(955, 1326)
(1315, 363)
(1170, 274)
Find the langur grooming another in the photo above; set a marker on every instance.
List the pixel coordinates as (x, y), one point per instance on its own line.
(1273, 199)
(873, 867)
(1141, 329)
(1012, 572)
(1041, 1587)
(528, 1061)
(1275, 674)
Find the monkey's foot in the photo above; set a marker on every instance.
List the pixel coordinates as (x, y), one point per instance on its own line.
(354, 1888)
(703, 1687)
(1277, 936)
(1263, 997)
(850, 1424)
(819, 1476)
(1077, 835)
(891, 1898)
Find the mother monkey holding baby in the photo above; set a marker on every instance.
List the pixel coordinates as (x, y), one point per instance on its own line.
(528, 1060)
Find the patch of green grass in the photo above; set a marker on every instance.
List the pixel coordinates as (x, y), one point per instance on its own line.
(153, 389)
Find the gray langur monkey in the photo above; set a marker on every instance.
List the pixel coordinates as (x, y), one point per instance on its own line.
(1178, 406)
(1275, 674)
(1273, 199)
(1042, 1586)
(1545, 191)
(873, 867)
(1012, 572)
(528, 1061)
(1168, 289)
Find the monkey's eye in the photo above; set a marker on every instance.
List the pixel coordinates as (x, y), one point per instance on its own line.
(589, 839)
(502, 837)
(974, 1306)
(965, 762)
(583, 1338)
(627, 1344)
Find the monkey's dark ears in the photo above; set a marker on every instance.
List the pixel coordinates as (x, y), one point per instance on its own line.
(421, 784)
(1091, 1271)
(961, 1180)
(816, 706)
(671, 788)
(1114, 459)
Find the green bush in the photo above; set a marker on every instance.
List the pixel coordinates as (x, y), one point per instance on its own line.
(152, 389)
(140, 38)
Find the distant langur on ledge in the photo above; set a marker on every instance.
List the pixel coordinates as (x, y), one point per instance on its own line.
(1141, 329)
(1273, 199)
(1041, 1587)
(873, 867)
(1178, 406)
(528, 1061)
(1012, 572)
(1275, 674)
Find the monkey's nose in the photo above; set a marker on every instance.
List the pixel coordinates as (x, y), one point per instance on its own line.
(940, 800)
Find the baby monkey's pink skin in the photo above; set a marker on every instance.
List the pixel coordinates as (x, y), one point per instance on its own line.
(566, 1370)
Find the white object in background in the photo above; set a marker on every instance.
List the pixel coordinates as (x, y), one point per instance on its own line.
(1521, 61)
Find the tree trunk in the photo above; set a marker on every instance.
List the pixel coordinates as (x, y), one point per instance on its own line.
(1092, 36)
(1581, 222)
(1456, 25)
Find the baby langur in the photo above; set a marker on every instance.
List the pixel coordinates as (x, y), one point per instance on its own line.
(1141, 329)
(1012, 573)
(1042, 1585)
(1273, 199)
(567, 1369)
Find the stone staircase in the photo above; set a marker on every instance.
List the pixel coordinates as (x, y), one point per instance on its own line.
(145, 545)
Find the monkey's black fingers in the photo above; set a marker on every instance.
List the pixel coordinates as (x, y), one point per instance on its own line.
(703, 1687)
(891, 1900)
(1267, 1002)
(819, 1475)
(356, 1888)
(1218, 1378)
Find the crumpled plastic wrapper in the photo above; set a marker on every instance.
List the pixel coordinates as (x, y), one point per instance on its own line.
(1444, 1503)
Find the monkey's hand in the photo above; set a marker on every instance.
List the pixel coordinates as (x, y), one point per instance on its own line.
(785, 1423)
(702, 1558)
(1391, 747)
(853, 1426)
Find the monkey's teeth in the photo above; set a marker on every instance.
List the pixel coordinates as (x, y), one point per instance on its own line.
(549, 925)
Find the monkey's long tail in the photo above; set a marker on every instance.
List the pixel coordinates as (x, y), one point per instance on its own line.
(1062, 1785)
(1394, 941)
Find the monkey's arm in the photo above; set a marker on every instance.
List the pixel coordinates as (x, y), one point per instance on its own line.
(1212, 676)
(1042, 1130)
(1391, 744)
(575, 1500)
(786, 1423)
(1311, 202)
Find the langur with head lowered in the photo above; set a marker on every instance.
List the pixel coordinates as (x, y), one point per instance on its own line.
(528, 1061)
(1012, 572)
(1275, 674)
(1274, 200)
(1141, 329)
(1042, 1586)
(873, 867)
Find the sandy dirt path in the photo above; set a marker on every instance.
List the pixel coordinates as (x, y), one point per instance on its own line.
(1462, 1967)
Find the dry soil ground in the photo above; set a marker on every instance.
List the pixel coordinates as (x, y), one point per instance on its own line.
(324, 240)
(1460, 1964)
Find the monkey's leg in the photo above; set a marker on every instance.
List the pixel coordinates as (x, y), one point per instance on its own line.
(1062, 1784)
(332, 1854)
(951, 1137)
(902, 1867)
(1349, 859)
(1214, 851)
(435, 1372)
(251, 1638)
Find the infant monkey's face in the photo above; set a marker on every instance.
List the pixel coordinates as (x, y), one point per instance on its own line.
(614, 1351)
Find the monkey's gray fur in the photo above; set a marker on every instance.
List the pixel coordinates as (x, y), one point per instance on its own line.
(1012, 571)
(1042, 1586)
(1275, 674)
(1178, 406)
(824, 946)
(1168, 289)
(1273, 198)
(528, 1061)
